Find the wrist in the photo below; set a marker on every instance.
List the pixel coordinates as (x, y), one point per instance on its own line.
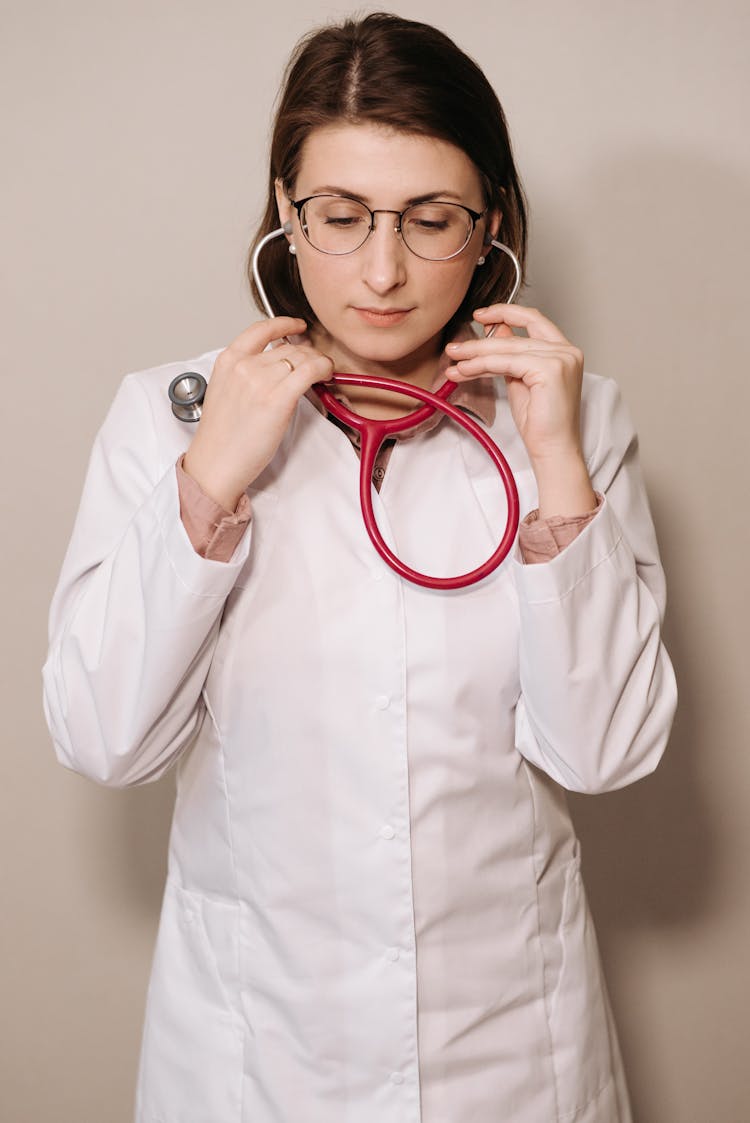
(225, 492)
(564, 486)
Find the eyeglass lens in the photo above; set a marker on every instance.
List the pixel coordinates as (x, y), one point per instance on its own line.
(430, 230)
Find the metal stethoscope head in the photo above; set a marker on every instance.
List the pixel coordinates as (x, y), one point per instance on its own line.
(186, 393)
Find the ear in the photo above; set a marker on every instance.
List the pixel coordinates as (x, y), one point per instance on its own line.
(492, 229)
(284, 208)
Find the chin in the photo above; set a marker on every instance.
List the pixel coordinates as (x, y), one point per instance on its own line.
(385, 346)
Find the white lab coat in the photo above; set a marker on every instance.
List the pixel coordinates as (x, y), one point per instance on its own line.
(373, 910)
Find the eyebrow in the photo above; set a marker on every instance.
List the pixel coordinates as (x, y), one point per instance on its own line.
(332, 189)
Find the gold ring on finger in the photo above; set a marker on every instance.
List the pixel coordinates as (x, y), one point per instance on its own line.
(288, 363)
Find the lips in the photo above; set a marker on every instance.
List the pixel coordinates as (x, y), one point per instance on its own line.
(383, 317)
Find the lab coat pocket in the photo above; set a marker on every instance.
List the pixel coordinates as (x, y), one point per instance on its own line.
(582, 1051)
(191, 1062)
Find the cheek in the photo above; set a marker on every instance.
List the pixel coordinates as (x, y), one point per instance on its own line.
(449, 287)
(323, 279)
(326, 281)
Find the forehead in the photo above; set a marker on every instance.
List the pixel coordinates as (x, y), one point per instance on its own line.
(380, 165)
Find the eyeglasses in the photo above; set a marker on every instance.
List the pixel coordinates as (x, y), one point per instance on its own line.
(434, 231)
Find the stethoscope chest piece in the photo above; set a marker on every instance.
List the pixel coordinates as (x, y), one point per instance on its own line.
(186, 393)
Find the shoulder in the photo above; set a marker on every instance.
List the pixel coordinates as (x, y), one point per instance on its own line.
(154, 381)
(599, 391)
(141, 419)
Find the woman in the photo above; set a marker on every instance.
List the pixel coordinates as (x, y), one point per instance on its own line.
(373, 909)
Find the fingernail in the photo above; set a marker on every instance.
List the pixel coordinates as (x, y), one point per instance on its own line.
(453, 347)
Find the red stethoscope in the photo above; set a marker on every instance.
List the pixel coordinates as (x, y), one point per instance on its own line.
(186, 395)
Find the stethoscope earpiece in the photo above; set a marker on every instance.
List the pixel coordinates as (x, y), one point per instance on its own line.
(186, 393)
(493, 242)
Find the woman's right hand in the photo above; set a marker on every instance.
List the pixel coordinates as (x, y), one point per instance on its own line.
(249, 402)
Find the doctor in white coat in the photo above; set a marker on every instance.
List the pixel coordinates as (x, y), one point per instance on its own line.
(374, 910)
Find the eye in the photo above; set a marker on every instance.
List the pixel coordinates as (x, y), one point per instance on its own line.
(432, 218)
(429, 223)
(342, 220)
(336, 213)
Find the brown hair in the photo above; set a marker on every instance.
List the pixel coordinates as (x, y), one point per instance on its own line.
(407, 76)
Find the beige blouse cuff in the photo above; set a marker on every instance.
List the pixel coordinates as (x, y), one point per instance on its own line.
(543, 539)
(214, 532)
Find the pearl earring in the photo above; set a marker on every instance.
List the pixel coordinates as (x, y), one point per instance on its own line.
(292, 248)
(480, 260)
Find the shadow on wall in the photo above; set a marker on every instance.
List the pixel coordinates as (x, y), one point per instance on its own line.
(124, 844)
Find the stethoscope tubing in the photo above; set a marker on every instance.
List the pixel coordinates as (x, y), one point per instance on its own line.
(372, 434)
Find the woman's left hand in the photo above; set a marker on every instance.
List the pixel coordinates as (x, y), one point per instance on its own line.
(544, 375)
(543, 372)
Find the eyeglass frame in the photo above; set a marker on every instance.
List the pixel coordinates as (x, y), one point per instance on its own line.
(473, 215)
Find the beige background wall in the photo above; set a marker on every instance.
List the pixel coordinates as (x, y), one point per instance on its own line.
(132, 148)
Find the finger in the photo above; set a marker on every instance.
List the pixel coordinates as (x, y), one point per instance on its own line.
(497, 331)
(510, 344)
(537, 325)
(296, 354)
(518, 365)
(318, 368)
(256, 338)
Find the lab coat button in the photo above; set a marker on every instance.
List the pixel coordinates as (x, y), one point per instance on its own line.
(382, 701)
(387, 832)
(397, 1077)
(393, 954)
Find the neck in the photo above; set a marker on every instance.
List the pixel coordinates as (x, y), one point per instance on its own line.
(419, 368)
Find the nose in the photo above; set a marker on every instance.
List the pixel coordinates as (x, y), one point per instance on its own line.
(384, 255)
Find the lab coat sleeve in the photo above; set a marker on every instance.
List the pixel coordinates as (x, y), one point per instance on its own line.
(598, 691)
(135, 617)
